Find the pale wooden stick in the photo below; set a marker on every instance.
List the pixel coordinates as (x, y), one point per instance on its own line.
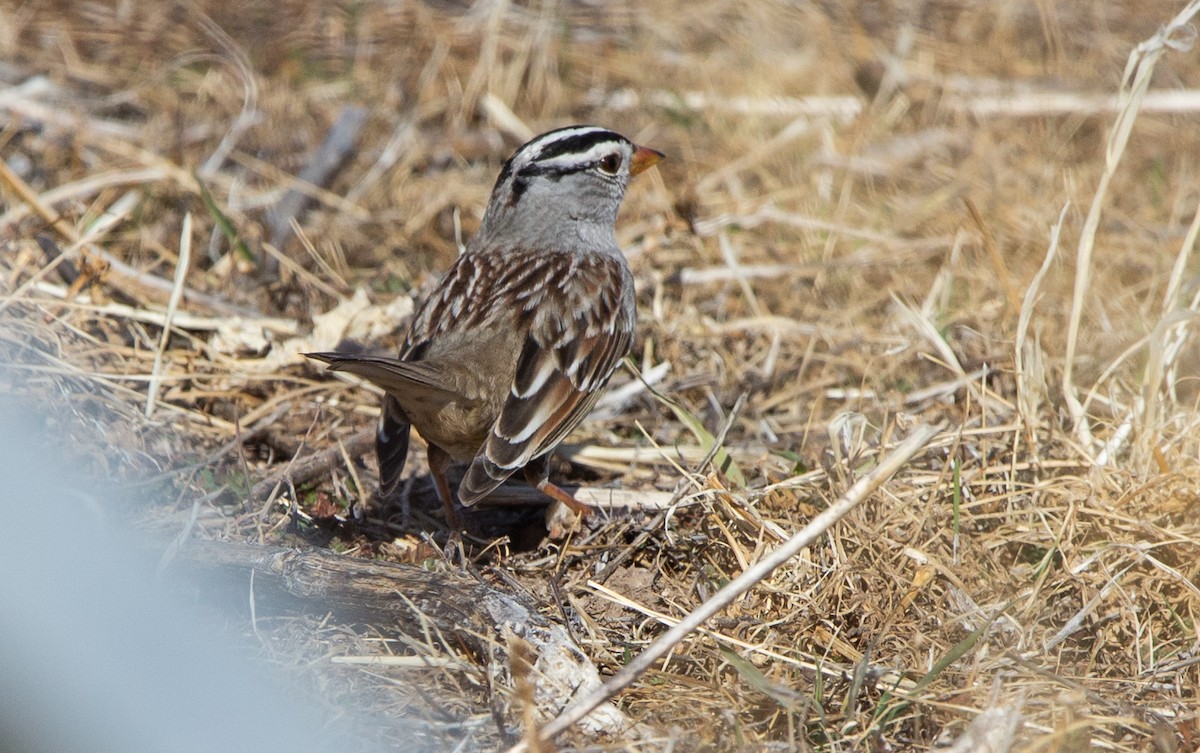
(181, 267)
(1011, 104)
(181, 319)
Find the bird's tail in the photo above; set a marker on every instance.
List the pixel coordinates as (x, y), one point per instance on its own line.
(392, 374)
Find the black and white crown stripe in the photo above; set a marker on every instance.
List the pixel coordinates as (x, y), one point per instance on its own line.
(565, 150)
(580, 145)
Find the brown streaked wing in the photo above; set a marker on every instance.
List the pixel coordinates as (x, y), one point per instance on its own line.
(449, 306)
(559, 377)
(473, 291)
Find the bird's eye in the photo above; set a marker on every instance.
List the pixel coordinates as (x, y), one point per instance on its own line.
(610, 163)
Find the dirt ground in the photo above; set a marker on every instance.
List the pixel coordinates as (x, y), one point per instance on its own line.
(872, 216)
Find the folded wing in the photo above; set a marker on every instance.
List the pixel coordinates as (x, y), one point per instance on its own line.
(561, 371)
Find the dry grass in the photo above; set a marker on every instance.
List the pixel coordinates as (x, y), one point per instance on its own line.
(854, 229)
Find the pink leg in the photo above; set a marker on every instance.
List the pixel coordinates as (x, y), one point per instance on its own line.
(554, 492)
(537, 472)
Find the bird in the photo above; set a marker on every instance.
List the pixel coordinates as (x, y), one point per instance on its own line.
(512, 347)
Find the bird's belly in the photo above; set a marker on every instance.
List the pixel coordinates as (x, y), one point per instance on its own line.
(459, 428)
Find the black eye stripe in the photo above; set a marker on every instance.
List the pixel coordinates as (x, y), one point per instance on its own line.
(609, 163)
(555, 171)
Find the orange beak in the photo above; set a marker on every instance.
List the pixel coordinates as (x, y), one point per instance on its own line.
(643, 159)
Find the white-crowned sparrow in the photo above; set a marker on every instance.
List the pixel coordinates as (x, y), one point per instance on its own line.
(511, 349)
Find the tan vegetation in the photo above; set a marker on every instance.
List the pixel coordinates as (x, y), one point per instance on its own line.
(873, 215)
